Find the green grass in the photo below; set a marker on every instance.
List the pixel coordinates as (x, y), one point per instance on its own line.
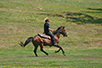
(24, 57)
(20, 19)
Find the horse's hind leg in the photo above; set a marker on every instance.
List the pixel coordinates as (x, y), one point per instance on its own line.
(41, 48)
(35, 49)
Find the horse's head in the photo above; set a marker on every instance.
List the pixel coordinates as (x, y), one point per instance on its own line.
(61, 30)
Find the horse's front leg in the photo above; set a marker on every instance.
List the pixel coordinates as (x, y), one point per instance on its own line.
(57, 50)
(60, 48)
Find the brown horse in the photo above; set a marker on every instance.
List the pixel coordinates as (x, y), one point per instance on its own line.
(37, 40)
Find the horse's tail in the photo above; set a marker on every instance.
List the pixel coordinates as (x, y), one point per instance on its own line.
(26, 42)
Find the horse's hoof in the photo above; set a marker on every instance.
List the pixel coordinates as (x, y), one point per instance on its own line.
(64, 54)
(21, 44)
(36, 56)
(55, 51)
(47, 54)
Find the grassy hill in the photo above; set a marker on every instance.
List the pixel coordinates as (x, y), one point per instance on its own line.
(20, 19)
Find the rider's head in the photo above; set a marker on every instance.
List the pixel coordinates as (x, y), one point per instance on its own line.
(46, 19)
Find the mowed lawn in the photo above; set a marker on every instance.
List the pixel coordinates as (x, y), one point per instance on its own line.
(20, 19)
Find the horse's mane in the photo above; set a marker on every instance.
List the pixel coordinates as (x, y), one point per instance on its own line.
(55, 32)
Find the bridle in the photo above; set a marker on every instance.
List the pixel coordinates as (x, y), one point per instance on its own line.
(64, 34)
(61, 32)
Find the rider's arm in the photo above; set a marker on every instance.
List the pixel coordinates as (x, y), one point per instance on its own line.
(51, 29)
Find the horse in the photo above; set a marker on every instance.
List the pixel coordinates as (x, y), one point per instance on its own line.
(40, 41)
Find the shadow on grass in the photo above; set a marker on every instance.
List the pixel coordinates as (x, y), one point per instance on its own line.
(99, 9)
(82, 18)
(78, 17)
(93, 10)
(54, 15)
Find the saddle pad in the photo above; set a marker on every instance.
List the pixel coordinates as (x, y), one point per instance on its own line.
(44, 36)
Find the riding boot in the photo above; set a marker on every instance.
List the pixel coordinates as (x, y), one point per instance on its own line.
(53, 43)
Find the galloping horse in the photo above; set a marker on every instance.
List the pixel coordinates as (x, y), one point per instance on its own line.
(38, 40)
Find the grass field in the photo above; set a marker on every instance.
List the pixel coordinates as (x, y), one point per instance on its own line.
(20, 19)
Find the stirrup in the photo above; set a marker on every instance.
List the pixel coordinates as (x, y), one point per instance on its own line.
(55, 44)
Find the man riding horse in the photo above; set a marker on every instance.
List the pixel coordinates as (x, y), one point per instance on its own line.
(37, 40)
(47, 30)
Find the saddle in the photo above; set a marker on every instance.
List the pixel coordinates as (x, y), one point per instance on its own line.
(44, 36)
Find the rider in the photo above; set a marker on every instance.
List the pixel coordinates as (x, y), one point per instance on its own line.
(47, 30)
